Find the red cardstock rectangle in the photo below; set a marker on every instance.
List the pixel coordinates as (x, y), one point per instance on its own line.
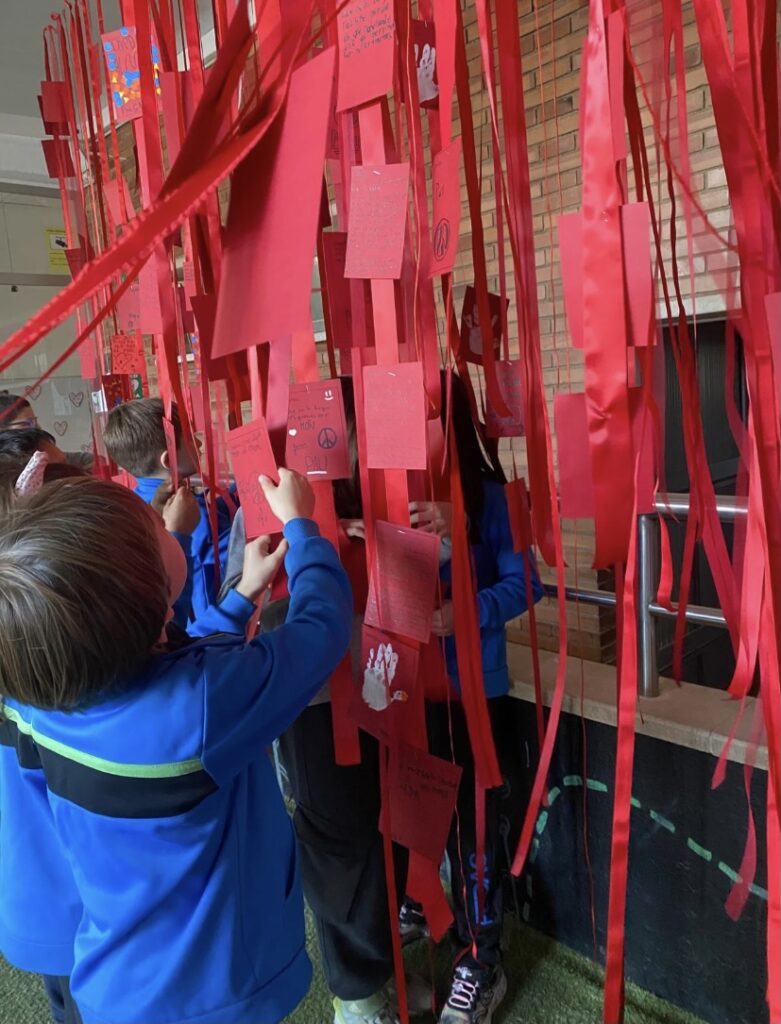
(57, 154)
(127, 354)
(403, 583)
(54, 109)
(337, 287)
(116, 389)
(316, 444)
(389, 675)
(378, 220)
(510, 381)
(423, 792)
(447, 208)
(471, 332)
(367, 41)
(250, 454)
(638, 277)
(395, 405)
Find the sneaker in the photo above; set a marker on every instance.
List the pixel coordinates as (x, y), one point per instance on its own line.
(412, 924)
(474, 996)
(419, 995)
(376, 1009)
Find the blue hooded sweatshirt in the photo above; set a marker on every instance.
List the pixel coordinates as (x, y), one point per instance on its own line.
(168, 813)
(501, 590)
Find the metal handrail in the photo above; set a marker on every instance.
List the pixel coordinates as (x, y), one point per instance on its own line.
(728, 509)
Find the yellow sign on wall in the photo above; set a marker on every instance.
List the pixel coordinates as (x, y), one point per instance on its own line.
(57, 243)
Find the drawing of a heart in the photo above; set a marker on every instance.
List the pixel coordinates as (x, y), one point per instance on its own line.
(76, 397)
(33, 393)
(61, 427)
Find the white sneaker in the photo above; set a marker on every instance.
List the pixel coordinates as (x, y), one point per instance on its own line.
(474, 996)
(376, 1009)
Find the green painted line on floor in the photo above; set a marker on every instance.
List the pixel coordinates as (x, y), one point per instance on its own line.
(542, 821)
(664, 822)
(596, 786)
(635, 802)
(573, 780)
(553, 795)
(757, 890)
(725, 869)
(699, 850)
(534, 850)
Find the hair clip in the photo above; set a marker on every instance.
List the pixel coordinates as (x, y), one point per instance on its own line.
(30, 479)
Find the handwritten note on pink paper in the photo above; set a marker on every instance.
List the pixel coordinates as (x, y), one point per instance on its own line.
(127, 354)
(337, 287)
(387, 679)
(249, 449)
(367, 39)
(510, 381)
(447, 208)
(403, 581)
(472, 332)
(395, 405)
(316, 444)
(423, 791)
(378, 219)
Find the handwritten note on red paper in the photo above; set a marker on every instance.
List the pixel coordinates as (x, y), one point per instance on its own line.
(121, 53)
(472, 332)
(316, 443)
(571, 259)
(389, 674)
(395, 404)
(128, 310)
(127, 354)
(423, 791)
(266, 282)
(576, 485)
(337, 287)
(510, 381)
(367, 34)
(403, 582)
(378, 218)
(447, 208)
(249, 449)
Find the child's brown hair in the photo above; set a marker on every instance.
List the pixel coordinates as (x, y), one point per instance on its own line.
(83, 592)
(134, 435)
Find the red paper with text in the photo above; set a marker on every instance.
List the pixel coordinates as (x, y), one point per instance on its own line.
(316, 443)
(367, 34)
(471, 333)
(270, 245)
(423, 791)
(388, 676)
(403, 581)
(127, 354)
(395, 409)
(249, 450)
(128, 310)
(510, 379)
(378, 218)
(116, 389)
(447, 208)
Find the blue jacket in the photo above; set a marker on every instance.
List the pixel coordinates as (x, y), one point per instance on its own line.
(167, 810)
(204, 574)
(501, 590)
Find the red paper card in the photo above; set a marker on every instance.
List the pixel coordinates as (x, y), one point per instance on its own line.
(270, 241)
(116, 389)
(389, 674)
(423, 791)
(317, 432)
(424, 49)
(250, 453)
(576, 485)
(54, 105)
(128, 313)
(57, 155)
(378, 219)
(395, 405)
(337, 288)
(367, 35)
(447, 208)
(76, 260)
(638, 279)
(121, 53)
(127, 354)
(471, 332)
(403, 583)
(571, 259)
(510, 381)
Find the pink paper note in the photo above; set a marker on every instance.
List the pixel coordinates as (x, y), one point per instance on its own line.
(128, 312)
(337, 287)
(403, 581)
(571, 258)
(250, 454)
(423, 791)
(367, 37)
(395, 405)
(471, 331)
(378, 218)
(447, 208)
(389, 675)
(272, 223)
(316, 443)
(127, 354)
(121, 53)
(510, 381)
(638, 279)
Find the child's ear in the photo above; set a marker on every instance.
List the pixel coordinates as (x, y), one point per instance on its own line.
(165, 462)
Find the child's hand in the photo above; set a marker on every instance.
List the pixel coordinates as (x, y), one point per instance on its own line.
(260, 567)
(442, 622)
(354, 528)
(181, 512)
(432, 516)
(291, 498)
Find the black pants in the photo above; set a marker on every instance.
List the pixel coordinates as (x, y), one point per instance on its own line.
(341, 854)
(64, 1010)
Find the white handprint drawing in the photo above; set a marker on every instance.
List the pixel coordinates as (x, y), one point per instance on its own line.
(426, 64)
(472, 322)
(378, 676)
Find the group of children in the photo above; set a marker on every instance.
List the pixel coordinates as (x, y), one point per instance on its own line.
(148, 866)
